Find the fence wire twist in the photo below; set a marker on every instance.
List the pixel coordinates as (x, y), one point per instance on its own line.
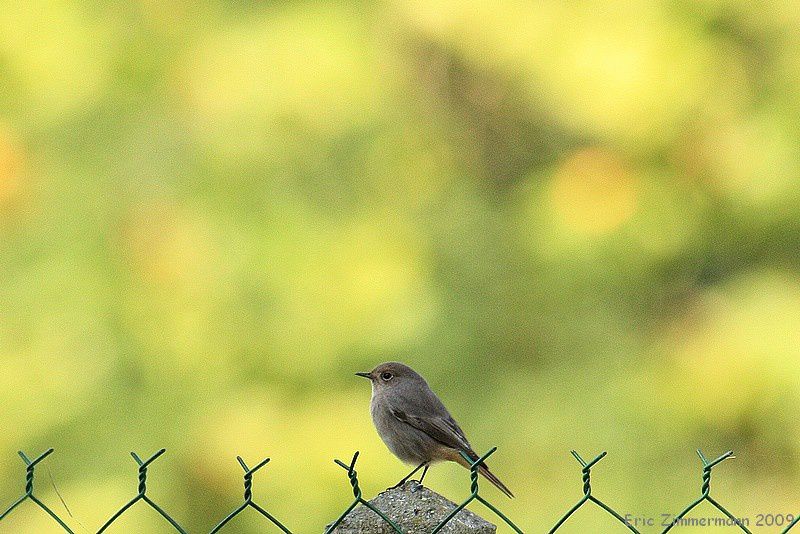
(586, 467)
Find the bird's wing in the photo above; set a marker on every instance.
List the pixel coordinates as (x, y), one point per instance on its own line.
(444, 430)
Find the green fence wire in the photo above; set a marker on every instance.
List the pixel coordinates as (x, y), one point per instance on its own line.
(473, 475)
(248, 499)
(353, 476)
(588, 497)
(28, 495)
(142, 495)
(586, 467)
(707, 466)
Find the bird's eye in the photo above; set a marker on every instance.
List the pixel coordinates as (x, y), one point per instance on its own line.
(386, 376)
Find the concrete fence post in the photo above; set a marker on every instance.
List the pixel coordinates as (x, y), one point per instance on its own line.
(416, 510)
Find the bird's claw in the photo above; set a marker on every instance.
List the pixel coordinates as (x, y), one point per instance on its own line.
(414, 487)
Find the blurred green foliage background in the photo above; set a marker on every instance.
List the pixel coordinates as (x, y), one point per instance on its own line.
(579, 220)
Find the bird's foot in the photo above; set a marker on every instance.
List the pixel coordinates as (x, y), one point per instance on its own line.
(413, 483)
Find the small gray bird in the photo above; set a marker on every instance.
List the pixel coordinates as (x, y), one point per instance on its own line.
(414, 424)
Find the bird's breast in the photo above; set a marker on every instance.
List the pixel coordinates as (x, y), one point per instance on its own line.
(404, 441)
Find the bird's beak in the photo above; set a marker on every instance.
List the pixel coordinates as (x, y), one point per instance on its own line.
(365, 375)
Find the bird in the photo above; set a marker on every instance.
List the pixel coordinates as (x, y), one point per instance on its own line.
(415, 425)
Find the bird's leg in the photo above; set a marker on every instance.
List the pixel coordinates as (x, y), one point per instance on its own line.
(423, 473)
(420, 466)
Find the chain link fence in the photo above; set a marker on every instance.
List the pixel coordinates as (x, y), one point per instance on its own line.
(352, 475)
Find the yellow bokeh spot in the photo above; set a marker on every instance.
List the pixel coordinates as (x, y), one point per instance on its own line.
(604, 67)
(754, 162)
(306, 64)
(593, 193)
(168, 246)
(740, 344)
(57, 54)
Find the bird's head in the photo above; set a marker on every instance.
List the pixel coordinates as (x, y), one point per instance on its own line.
(392, 375)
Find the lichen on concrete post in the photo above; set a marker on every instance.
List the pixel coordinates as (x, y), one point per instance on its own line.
(416, 510)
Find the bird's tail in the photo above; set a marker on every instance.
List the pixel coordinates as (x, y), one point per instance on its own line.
(483, 469)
